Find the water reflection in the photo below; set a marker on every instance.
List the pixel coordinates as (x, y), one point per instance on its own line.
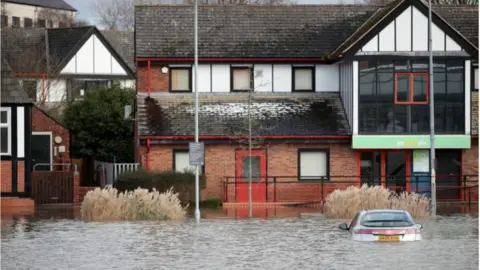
(277, 239)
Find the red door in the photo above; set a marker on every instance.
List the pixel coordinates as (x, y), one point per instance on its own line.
(259, 172)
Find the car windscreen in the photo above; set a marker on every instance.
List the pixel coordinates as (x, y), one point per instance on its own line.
(386, 219)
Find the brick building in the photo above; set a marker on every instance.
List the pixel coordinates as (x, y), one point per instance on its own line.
(339, 96)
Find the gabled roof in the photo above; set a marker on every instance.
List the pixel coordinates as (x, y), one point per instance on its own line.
(26, 49)
(65, 42)
(246, 30)
(123, 43)
(57, 4)
(461, 22)
(227, 114)
(11, 90)
(251, 31)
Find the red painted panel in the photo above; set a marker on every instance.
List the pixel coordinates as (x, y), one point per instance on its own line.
(259, 189)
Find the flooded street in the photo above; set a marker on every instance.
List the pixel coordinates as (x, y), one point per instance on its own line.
(295, 242)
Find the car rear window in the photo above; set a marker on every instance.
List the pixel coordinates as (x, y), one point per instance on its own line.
(386, 219)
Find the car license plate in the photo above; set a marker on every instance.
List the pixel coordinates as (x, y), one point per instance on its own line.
(388, 238)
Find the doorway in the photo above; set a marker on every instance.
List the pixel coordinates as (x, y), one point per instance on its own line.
(387, 168)
(259, 171)
(448, 174)
(41, 151)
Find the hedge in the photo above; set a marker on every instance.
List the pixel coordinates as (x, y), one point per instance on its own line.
(182, 182)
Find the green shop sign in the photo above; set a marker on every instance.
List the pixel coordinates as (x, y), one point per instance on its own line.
(409, 141)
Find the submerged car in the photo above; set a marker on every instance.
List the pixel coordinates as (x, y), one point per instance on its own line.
(384, 225)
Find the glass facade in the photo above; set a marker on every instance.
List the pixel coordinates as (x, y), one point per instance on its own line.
(394, 97)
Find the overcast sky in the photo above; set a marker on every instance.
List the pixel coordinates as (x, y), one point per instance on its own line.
(85, 10)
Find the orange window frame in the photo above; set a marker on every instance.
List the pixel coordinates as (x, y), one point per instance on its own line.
(411, 90)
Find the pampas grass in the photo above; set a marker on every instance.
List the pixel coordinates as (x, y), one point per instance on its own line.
(109, 205)
(346, 203)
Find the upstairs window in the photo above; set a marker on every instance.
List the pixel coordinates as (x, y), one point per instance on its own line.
(242, 79)
(180, 79)
(27, 22)
(475, 77)
(30, 87)
(4, 21)
(411, 88)
(5, 131)
(303, 79)
(15, 21)
(41, 23)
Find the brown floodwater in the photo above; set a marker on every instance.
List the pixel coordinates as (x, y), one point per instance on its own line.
(291, 238)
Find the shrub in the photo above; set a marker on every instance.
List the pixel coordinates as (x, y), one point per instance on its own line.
(110, 205)
(182, 182)
(346, 203)
(212, 203)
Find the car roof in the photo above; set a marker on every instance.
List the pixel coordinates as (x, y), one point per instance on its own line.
(384, 210)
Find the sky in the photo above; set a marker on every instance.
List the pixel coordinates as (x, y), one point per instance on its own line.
(85, 12)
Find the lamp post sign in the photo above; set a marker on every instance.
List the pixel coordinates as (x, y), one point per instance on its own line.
(196, 153)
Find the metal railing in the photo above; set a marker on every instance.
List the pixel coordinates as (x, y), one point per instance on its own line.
(292, 189)
(69, 166)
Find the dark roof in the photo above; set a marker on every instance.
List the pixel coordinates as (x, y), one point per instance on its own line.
(25, 48)
(464, 18)
(310, 31)
(11, 90)
(227, 114)
(246, 30)
(57, 4)
(123, 43)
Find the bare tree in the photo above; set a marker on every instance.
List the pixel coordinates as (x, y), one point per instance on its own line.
(119, 14)
(60, 18)
(28, 62)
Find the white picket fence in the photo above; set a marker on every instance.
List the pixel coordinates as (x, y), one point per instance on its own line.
(113, 170)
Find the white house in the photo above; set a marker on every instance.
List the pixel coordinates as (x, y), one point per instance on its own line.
(37, 13)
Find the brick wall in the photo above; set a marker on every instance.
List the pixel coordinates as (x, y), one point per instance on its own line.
(6, 176)
(470, 160)
(43, 123)
(79, 192)
(21, 176)
(158, 80)
(282, 160)
(474, 120)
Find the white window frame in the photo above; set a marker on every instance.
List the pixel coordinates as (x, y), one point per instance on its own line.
(7, 125)
(182, 152)
(313, 177)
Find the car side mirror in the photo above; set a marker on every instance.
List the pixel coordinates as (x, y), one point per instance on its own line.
(343, 227)
(419, 226)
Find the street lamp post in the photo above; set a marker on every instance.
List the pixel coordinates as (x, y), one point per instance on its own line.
(432, 113)
(197, 167)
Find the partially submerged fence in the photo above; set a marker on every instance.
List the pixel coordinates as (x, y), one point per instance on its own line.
(109, 171)
(288, 189)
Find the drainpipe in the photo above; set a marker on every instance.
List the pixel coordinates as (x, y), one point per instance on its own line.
(148, 77)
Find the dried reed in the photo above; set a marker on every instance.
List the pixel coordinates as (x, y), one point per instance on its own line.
(109, 205)
(346, 203)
